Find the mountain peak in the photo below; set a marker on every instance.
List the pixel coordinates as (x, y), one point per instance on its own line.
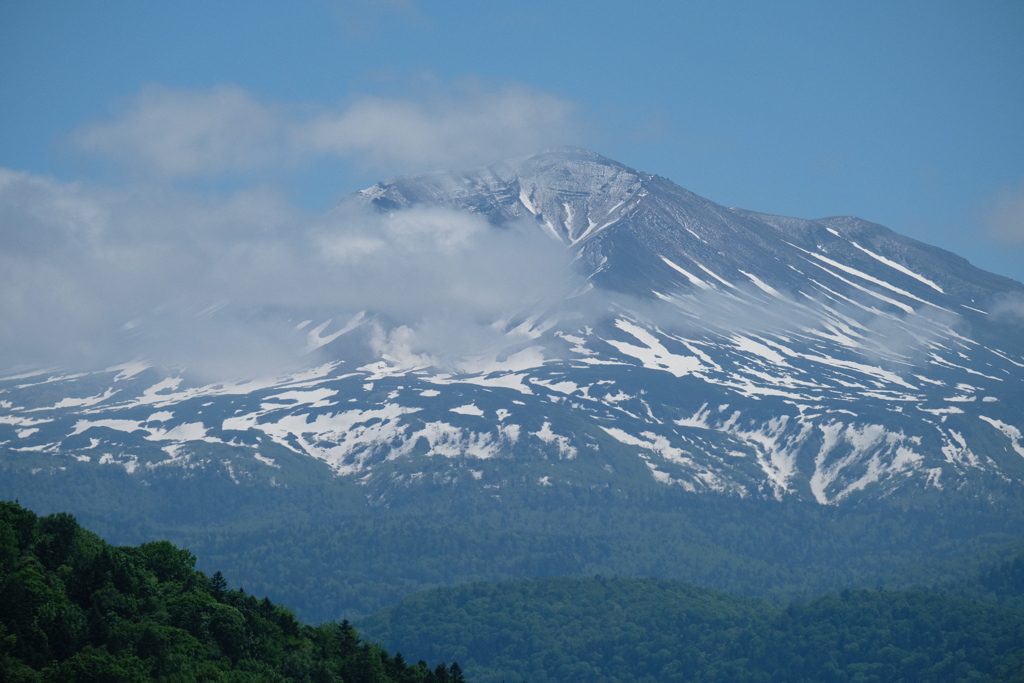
(570, 192)
(568, 154)
(644, 235)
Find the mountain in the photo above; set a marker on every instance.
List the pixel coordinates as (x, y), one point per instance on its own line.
(713, 350)
(771, 406)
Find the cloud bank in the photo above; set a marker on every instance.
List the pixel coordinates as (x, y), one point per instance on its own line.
(218, 284)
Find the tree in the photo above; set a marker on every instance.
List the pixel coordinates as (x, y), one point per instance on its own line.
(218, 585)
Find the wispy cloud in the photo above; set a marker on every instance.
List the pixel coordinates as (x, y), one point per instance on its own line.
(227, 130)
(1009, 308)
(174, 133)
(1004, 216)
(473, 126)
(368, 19)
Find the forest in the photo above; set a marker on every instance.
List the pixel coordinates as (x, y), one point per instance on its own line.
(74, 609)
(642, 630)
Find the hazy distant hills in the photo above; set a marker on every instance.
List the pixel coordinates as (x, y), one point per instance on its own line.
(711, 349)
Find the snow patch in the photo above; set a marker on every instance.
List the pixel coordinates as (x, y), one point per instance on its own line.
(654, 355)
(266, 461)
(82, 402)
(1011, 432)
(763, 286)
(694, 280)
(128, 370)
(468, 409)
(565, 448)
(903, 269)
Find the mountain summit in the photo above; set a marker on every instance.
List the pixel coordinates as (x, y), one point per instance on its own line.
(732, 353)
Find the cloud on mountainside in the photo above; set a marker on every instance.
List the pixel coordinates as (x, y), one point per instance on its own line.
(185, 133)
(94, 275)
(1009, 308)
(1004, 216)
(218, 284)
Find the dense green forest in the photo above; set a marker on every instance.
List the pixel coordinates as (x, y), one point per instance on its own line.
(74, 609)
(643, 630)
(311, 541)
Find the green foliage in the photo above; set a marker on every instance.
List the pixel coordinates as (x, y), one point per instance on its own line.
(645, 630)
(74, 609)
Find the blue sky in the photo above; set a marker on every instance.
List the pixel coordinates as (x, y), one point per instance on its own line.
(908, 114)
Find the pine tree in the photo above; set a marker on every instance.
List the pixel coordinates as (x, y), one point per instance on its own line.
(218, 585)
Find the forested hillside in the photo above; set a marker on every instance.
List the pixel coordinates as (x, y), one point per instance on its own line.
(75, 609)
(633, 630)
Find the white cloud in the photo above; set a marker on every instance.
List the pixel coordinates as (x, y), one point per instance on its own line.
(1004, 216)
(191, 133)
(474, 126)
(93, 275)
(227, 130)
(37, 214)
(396, 347)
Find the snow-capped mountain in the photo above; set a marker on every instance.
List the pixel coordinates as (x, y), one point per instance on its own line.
(714, 350)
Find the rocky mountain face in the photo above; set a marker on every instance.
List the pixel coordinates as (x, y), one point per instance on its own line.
(714, 350)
